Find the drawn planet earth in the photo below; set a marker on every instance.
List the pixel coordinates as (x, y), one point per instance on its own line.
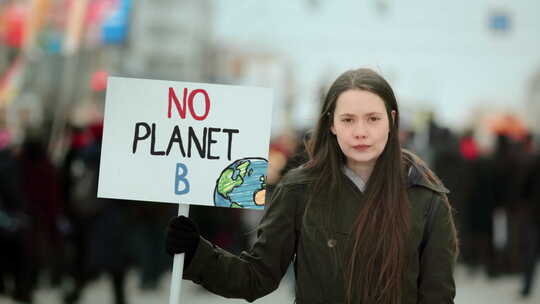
(242, 184)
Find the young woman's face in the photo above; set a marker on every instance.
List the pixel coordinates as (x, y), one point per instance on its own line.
(361, 126)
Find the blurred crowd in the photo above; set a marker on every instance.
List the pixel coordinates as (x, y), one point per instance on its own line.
(56, 233)
(496, 195)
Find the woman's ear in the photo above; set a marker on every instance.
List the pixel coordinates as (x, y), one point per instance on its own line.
(393, 113)
(332, 129)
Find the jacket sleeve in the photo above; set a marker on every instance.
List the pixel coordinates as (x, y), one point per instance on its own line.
(436, 282)
(257, 272)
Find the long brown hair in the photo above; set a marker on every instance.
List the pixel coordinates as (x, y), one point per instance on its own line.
(374, 272)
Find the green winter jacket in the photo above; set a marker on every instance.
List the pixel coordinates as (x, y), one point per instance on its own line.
(287, 233)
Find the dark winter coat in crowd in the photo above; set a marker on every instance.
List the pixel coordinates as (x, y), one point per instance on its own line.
(14, 226)
(100, 224)
(530, 225)
(480, 201)
(41, 189)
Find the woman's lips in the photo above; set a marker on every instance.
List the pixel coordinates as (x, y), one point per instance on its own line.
(361, 147)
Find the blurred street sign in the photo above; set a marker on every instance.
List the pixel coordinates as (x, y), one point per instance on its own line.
(499, 21)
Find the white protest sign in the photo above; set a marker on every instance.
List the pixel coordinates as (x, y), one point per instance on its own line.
(181, 142)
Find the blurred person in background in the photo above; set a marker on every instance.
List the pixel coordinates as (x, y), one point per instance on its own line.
(479, 207)
(451, 168)
(363, 221)
(509, 171)
(14, 226)
(99, 225)
(74, 191)
(148, 222)
(493, 210)
(530, 219)
(474, 203)
(40, 184)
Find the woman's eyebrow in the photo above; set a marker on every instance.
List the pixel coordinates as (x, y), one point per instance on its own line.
(373, 113)
(367, 114)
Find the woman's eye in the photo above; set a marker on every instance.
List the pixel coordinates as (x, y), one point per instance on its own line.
(347, 120)
(373, 118)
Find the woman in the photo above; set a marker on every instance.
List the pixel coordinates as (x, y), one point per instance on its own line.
(362, 220)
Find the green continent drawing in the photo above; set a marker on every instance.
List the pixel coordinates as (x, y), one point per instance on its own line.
(227, 183)
(242, 184)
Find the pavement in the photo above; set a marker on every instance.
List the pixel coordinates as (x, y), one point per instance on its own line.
(471, 288)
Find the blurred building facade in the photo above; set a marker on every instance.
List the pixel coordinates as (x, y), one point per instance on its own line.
(171, 40)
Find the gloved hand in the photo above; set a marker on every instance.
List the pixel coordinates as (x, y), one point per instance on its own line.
(182, 237)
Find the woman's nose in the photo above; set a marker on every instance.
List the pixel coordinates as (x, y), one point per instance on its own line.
(360, 130)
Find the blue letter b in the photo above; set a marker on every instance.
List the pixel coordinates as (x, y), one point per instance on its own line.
(181, 177)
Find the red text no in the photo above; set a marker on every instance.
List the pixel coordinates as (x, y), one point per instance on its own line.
(188, 97)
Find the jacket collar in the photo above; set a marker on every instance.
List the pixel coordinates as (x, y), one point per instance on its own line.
(417, 176)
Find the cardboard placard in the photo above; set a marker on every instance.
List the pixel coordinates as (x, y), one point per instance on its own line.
(182, 142)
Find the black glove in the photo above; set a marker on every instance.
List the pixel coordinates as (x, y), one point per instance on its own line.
(182, 237)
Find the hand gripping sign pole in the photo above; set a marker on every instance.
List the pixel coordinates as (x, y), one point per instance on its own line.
(178, 265)
(166, 141)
